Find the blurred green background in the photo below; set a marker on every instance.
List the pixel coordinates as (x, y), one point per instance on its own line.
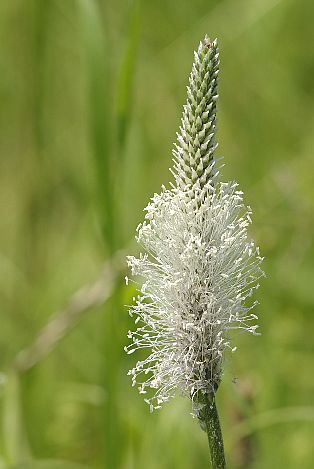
(91, 95)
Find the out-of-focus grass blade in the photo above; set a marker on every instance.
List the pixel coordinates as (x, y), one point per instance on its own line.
(100, 116)
(41, 16)
(14, 438)
(125, 81)
(101, 123)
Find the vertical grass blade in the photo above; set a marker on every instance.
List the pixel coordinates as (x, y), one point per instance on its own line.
(125, 81)
(100, 116)
(15, 444)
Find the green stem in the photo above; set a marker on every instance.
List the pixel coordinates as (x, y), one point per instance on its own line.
(210, 422)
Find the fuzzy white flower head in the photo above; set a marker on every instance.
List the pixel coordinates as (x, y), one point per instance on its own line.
(199, 267)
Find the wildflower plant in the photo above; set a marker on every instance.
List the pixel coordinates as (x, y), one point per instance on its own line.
(199, 267)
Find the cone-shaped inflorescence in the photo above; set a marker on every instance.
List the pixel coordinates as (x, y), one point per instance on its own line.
(194, 151)
(199, 266)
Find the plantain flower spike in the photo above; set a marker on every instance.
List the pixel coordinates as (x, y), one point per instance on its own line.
(199, 267)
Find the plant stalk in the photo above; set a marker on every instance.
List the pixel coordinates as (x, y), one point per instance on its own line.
(210, 423)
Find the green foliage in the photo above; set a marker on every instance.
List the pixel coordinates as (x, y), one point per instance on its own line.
(91, 95)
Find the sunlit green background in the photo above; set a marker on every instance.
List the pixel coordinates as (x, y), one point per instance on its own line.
(90, 99)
